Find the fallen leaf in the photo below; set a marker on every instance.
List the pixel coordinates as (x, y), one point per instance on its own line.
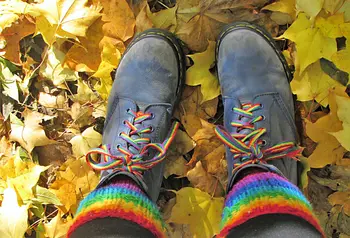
(311, 43)
(328, 150)
(110, 59)
(25, 182)
(13, 218)
(341, 198)
(85, 56)
(199, 20)
(54, 70)
(310, 7)
(345, 9)
(84, 94)
(9, 82)
(31, 133)
(45, 196)
(342, 60)
(69, 19)
(216, 164)
(50, 101)
(175, 162)
(143, 22)
(343, 111)
(58, 226)
(314, 84)
(89, 139)
(204, 181)
(199, 73)
(119, 18)
(12, 36)
(332, 6)
(10, 12)
(283, 11)
(65, 192)
(81, 115)
(198, 209)
(164, 19)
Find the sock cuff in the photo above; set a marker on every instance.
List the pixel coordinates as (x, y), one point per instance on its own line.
(121, 199)
(264, 193)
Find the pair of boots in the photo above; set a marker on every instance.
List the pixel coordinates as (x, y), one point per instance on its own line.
(258, 131)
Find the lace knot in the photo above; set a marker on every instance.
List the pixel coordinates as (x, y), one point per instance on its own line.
(247, 147)
(129, 161)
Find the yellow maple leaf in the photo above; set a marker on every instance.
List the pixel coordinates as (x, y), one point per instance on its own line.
(310, 7)
(311, 43)
(67, 19)
(110, 59)
(165, 19)
(13, 218)
(57, 227)
(199, 73)
(25, 182)
(314, 84)
(82, 143)
(283, 11)
(54, 70)
(30, 133)
(65, 192)
(198, 209)
(343, 112)
(332, 6)
(342, 60)
(328, 150)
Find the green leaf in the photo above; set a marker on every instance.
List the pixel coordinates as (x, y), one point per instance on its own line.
(45, 196)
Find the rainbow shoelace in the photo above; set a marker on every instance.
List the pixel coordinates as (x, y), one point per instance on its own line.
(132, 162)
(248, 148)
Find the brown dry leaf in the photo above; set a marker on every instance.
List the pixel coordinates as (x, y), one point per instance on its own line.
(190, 111)
(216, 164)
(119, 18)
(57, 227)
(143, 22)
(200, 20)
(341, 198)
(12, 35)
(204, 181)
(175, 162)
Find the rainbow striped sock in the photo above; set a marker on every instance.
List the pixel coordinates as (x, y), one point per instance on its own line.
(264, 193)
(121, 199)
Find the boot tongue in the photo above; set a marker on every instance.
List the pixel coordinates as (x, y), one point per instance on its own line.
(245, 120)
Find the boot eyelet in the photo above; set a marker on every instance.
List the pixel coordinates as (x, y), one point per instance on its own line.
(263, 118)
(263, 142)
(261, 106)
(128, 110)
(118, 146)
(120, 134)
(151, 128)
(124, 122)
(152, 116)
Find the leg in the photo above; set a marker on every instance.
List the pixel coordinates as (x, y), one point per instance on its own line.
(260, 137)
(137, 134)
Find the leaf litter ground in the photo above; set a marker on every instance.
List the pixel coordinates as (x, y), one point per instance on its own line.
(57, 58)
